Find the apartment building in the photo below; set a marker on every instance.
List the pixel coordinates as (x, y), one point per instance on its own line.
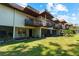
(17, 21)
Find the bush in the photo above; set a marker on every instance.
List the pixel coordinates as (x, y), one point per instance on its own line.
(68, 32)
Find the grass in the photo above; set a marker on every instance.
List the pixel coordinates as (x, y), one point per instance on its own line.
(50, 46)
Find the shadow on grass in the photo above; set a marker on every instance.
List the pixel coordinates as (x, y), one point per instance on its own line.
(34, 51)
(17, 51)
(73, 45)
(20, 41)
(75, 50)
(55, 44)
(59, 51)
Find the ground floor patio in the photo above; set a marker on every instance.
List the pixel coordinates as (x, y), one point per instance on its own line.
(48, 46)
(26, 32)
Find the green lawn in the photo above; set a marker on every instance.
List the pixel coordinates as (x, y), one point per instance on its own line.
(50, 46)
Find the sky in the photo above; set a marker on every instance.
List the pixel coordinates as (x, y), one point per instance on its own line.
(66, 11)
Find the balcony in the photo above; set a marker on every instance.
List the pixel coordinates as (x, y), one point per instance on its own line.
(58, 26)
(49, 24)
(37, 23)
(28, 22)
(31, 22)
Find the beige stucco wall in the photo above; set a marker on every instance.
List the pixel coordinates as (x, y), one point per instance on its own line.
(6, 15)
(37, 32)
(19, 18)
(27, 32)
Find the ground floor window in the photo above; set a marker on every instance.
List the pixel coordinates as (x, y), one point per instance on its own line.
(46, 32)
(6, 32)
(20, 32)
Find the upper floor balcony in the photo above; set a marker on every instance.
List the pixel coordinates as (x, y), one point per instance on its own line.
(32, 22)
(38, 22)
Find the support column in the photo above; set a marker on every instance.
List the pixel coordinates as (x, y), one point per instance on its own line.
(27, 32)
(14, 24)
(50, 31)
(13, 32)
(40, 32)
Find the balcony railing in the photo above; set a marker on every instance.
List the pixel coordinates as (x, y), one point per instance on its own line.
(28, 22)
(37, 23)
(32, 22)
(49, 24)
(57, 26)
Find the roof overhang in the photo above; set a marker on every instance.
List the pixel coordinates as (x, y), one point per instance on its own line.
(14, 5)
(47, 15)
(56, 21)
(31, 12)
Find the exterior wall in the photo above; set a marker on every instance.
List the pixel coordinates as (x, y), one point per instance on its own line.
(37, 32)
(6, 15)
(27, 32)
(19, 19)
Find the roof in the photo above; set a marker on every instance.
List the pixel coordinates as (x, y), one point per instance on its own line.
(56, 21)
(13, 5)
(46, 14)
(62, 21)
(28, 6)
(26, 10)
(31, 11)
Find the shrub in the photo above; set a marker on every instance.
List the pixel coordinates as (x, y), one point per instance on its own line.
(68, 32)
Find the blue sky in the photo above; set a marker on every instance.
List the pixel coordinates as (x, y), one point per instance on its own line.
(66, 11)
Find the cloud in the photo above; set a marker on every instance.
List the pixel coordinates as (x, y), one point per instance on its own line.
(49, 6)
(73, 14)
(61, 7)
(55, 8)
(69, 19)
(74, 18)
(65, 17)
